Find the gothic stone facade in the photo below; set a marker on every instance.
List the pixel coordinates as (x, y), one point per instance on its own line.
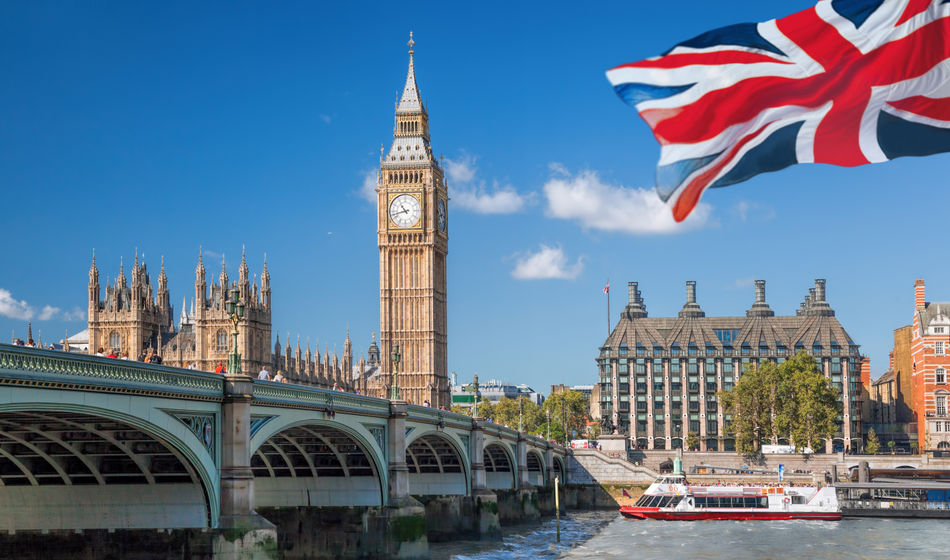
(659, 376)
(133, 318)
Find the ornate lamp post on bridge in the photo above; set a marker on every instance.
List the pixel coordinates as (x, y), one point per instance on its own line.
(235, 310)
(395, 356)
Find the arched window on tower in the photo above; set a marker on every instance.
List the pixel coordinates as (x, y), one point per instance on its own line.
(221, 339)
(115, 340)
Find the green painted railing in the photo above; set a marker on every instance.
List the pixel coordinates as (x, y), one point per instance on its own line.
(288, 394)
(52, 369)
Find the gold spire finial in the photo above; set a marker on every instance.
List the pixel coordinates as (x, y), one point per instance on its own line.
(411, 43)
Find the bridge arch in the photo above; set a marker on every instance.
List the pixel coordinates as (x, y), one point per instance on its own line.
(67, 466)
(535, 465)
(312, 462)
(559, 470)
(437, 465)
(500, 466)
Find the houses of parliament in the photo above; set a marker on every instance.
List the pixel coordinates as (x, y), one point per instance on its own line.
(412, 232)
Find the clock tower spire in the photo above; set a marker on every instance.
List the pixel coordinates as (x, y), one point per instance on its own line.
(413, 244)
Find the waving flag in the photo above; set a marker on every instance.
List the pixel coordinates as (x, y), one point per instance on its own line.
(846, 82)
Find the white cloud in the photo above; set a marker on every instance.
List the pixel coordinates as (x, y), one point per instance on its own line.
(75, 315)
(548, 262)
(476, 196)
(461, 170)
(500, 200)
(10, 307)
(367, 190)
(325, 118)
(48, 312)
(586, 199)
(746, 210)
(744, 282)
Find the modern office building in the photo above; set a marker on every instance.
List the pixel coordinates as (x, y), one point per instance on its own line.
(492, 391)
(659, 375)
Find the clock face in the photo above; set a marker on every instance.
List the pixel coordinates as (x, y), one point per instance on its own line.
(441, 209)
(404, 210)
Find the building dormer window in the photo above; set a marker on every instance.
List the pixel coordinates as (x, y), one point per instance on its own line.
(938, 330)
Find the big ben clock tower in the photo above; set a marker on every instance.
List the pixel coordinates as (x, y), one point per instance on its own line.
(413, 243)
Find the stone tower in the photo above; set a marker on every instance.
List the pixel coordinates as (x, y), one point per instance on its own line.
(131, 318)
(413, 243)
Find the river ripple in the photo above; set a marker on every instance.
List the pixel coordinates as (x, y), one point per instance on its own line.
(607, 535)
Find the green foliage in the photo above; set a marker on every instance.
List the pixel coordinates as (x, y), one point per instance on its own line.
(692, 441)
(459, 409)
(506, 412)
(788, 400)
(408, 529)
(891, 445)
(873, 445)
(568, 411)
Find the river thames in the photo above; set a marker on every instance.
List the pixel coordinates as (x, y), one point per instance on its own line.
(607, 535)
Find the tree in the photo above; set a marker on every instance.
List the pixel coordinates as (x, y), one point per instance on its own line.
(749, 403)
(568, 411)
(814, 411)
(891, 445)
(788, 400)
(692, 441)
(873, 445)
(507, 411)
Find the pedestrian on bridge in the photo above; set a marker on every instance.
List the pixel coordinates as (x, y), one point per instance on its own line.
(264, 374)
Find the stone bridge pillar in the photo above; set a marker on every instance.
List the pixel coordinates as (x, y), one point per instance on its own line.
(486, 501)
(398, 470)
(527, 493)
(237, 480)
(523, 480)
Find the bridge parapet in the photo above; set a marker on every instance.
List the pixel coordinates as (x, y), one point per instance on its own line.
(305, 396)
(52, 369)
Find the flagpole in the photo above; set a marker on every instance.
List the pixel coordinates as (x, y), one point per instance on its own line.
(608, 308)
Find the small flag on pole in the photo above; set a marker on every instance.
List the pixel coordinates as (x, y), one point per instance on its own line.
(625, 494)
(607, 288)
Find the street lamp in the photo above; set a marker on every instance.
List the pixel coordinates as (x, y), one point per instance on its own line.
(235, 309)
(475, 389)
(520, 414)
(395, 356)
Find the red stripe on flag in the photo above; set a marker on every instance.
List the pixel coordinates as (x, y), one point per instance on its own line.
(913, 8)
(691, 193)
(716, 58)
(937, 109)
(607, 289)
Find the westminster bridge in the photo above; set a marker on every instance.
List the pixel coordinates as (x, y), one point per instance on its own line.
(90, 443)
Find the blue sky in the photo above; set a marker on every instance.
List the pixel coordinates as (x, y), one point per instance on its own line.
(163, 127)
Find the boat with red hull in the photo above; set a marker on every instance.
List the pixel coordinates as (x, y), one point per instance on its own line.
(671, 498)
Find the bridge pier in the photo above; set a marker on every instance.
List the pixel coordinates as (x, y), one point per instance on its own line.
(488, 524)
(243, 530)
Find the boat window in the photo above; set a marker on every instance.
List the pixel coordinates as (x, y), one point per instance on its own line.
(798, 499)
(642, 500)
(763, 502)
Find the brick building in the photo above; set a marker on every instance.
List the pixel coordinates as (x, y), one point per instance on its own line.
(930, 363)
(659, 375)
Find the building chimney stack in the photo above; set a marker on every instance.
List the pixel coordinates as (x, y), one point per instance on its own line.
(691, 308)
(920, 299)
(635, 307)
(760, 291)
(819, 289)
(760, 308)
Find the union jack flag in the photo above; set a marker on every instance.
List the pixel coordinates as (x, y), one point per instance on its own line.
(846, 82)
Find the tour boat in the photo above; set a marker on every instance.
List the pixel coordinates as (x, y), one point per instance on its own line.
(672, 498)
